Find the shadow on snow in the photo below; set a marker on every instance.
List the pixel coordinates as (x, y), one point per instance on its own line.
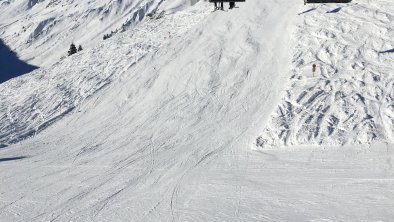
(309, 10)
(387, 51)
(10, 65)
(335, 10)
(12, 158)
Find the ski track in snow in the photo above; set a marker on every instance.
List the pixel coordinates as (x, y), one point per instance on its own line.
(148, 134)
(169, 138)
(61, 88)
(351, 98)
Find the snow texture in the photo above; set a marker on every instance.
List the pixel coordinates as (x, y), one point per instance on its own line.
(48, 94)
(350, 100)
(40, 31)
(158, 123)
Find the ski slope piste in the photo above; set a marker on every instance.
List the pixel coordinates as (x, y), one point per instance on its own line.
(195, 115)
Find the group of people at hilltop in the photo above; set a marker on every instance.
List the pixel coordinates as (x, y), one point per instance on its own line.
(232, 5)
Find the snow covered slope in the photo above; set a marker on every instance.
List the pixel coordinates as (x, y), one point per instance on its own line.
(351, 98)
(40, 31)
(169, 136)
(132, 144)
(47, 94)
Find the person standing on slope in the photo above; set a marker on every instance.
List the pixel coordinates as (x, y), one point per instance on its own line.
(232, 5)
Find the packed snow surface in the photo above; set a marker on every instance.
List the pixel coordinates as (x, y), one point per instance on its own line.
(159, 123)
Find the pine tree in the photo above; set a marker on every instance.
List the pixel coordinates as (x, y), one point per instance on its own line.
(80, 48)
(72, 50)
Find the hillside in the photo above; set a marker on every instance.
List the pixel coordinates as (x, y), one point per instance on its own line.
(40, 31)
(161, 122)
(350, 100)
(47, 94)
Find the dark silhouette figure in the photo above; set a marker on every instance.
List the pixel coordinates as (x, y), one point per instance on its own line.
(10, 65)
(232, 5)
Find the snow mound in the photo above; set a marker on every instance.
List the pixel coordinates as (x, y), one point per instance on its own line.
(350, 100)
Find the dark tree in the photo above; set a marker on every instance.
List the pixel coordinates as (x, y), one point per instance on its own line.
(72, 49)
(80, 48)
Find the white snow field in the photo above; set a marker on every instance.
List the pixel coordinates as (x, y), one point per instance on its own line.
(40, 31)
(351, 98)
(47, 94)
(159, 123)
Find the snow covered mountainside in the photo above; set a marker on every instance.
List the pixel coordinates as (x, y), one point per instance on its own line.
(54, 91)
(351, 98)
(158, 123)
(40, 31)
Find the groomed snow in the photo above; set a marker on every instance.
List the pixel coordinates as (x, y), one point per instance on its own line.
(170, 135)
